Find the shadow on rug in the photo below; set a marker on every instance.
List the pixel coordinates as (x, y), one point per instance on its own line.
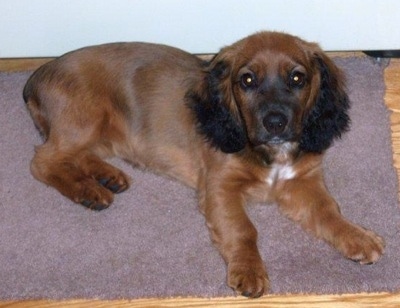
(153, 241)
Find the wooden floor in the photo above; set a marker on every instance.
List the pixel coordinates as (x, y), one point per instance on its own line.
(381, 300)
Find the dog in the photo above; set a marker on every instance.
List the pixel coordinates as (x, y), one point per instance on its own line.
(250, 125)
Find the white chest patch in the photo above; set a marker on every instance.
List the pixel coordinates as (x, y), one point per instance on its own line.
(280, 172)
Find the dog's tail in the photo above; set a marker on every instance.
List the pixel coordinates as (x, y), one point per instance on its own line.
(33, 104)
(28, 90)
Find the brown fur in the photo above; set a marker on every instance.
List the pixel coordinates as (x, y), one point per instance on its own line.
(144, 103)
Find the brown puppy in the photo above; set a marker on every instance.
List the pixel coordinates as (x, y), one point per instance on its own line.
(250, 125)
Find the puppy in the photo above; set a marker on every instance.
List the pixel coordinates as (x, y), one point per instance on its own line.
(250, 125)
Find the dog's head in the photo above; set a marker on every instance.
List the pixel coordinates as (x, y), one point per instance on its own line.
(270, 89)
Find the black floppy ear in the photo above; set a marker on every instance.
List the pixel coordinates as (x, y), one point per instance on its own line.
(212, 106)
(327, 118)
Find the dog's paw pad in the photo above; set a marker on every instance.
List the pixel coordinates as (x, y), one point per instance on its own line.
(114, 184)
(249, 281)
(92, 195)
(363, 246)
(95, 206)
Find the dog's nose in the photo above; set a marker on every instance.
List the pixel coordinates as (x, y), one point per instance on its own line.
(275, 122)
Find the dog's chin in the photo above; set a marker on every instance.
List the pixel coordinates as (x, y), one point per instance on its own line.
(278, 150)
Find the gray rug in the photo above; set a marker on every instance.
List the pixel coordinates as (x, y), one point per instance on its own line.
(153, 241)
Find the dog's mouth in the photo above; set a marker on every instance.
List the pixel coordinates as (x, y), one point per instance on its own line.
(271, 140)
(275, 141)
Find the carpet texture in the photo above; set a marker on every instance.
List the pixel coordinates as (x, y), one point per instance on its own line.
(153, 241)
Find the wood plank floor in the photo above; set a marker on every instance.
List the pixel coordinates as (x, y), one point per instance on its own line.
(381, 300)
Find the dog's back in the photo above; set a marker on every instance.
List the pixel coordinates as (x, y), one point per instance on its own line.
(113, 67)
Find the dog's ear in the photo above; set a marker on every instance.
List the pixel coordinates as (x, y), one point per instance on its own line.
(327, 119)
(215, 109)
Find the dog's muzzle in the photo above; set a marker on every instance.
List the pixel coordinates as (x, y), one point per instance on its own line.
(275, 123)
(278, 127)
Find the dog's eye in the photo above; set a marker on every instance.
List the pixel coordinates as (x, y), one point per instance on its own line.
(248, 81)
(297, 80)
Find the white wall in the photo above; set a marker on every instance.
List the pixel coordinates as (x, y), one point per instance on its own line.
(34, 28)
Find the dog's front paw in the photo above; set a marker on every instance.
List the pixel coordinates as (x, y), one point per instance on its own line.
(248, 279)
(361, 245)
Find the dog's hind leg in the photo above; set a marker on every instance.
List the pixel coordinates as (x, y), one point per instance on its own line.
(79, 129)
(79, 175)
